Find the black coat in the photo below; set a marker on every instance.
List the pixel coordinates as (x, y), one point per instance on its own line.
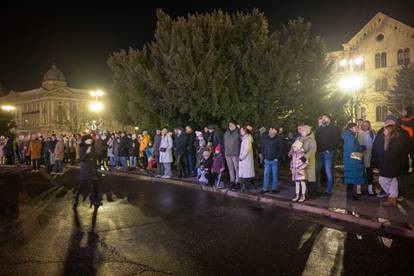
(87, 163)
(191, 143)
(133, 147)
(123, 146)
(180, 144)
(272, 148)
(392, 165)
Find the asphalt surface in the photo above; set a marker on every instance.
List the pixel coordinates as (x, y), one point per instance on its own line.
(154, 229)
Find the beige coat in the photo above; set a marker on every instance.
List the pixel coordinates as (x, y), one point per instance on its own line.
(309, 146)
(59, 150)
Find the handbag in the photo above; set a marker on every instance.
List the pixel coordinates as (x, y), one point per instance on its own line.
(163, 149)
(357, 155)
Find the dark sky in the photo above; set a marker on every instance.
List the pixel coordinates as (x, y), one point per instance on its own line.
(80, 36)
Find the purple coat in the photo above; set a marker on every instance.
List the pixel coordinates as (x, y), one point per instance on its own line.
(218, 163)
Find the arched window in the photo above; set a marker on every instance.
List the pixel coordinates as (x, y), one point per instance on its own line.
(400, 57)
(381, 113)
(378, 85)
(384, 84)
(383, 59)
(361, 113)
(377, 60)
(406, 56)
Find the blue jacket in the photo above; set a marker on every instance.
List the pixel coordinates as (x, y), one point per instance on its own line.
(354, 170)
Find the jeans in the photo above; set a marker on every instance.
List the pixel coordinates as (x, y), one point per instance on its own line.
(133, 161)
(123, 160)
(59, 166)
(233, 164)
(271, 166)
(325, 159)
(190, 164)
(36, 164)
(167, 169)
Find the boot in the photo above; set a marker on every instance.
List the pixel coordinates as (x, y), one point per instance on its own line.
(303, 186)
(391, 202)
(296, 198)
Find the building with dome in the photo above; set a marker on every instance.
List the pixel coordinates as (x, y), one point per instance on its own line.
(53, 107)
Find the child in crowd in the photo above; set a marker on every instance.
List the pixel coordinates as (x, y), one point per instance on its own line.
(204, 170)
(218, 165)
(297, 167)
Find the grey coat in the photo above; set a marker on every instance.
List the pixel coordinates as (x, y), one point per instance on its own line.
(232, 142)
(309, 146)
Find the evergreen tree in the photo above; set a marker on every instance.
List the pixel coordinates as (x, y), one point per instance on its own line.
(403, 92)
(210, 68)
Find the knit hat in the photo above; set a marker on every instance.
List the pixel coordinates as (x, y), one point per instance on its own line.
(218, 148)
(391, 118)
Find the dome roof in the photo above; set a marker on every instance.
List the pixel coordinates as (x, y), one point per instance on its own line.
(54, 74)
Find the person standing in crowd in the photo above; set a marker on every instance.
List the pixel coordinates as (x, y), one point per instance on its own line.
(272, 151)
(354, 169)
(77, 151)
(72, 149)
(22, 150)
(262, 136)
(201, 147)
(110, 151)
(143, 145)
(46, 153)
(123, 150)
(2, 150)
(366, 138)
(99, 151)
(166, 157)
(87, 172)
(133, 149)
(206, 134)
(378, 153)
(297, 168)
(156, 151)
(309, 147)
(8, 151)
(391, 166)
(246, 158)
(180, 143)
(190, 151)
(407, 124)
(214, 138)
(232, 143)
(218, 166)
(327, 139)
(35, 149)
(204, 175)
(58, 155)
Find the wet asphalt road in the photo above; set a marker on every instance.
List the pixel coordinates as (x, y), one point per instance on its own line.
(154, 229)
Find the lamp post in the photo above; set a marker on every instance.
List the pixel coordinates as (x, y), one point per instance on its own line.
(351, 82)
(96, 107)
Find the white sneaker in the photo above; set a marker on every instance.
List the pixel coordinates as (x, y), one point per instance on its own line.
(302, 199)
(165, 176)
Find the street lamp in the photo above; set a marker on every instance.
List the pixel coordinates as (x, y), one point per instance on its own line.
(351, 83)
(8, 108)
(96, 107)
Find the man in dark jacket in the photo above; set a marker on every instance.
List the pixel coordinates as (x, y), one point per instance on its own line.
(123, 150)
(272, 150)
(156, 152)
(378, 153)
(190, 151)
(232, 143)
(133, 149)
(180, 144)
(327, 139)
(214, 138)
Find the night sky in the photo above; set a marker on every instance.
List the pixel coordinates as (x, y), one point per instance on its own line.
(80, 36)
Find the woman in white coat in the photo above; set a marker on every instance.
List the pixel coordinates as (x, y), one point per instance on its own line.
(246, 158)
(166, 156)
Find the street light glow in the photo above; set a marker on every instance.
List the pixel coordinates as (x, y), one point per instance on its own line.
(96, 93)
(351, 83)
(8, 107)
(359, 60)
(343, 63)
(96, 107)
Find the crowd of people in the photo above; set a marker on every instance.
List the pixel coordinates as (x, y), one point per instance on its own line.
(233, 159)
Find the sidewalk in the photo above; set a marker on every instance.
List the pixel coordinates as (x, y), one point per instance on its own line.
(366, 212)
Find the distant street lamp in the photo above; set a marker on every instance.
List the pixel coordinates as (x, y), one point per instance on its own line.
(96, 107)
(8, 108)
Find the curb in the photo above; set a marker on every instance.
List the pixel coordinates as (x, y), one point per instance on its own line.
(379, 227)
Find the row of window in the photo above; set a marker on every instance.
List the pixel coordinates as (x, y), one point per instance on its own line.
(403, 57)
(381, 113)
